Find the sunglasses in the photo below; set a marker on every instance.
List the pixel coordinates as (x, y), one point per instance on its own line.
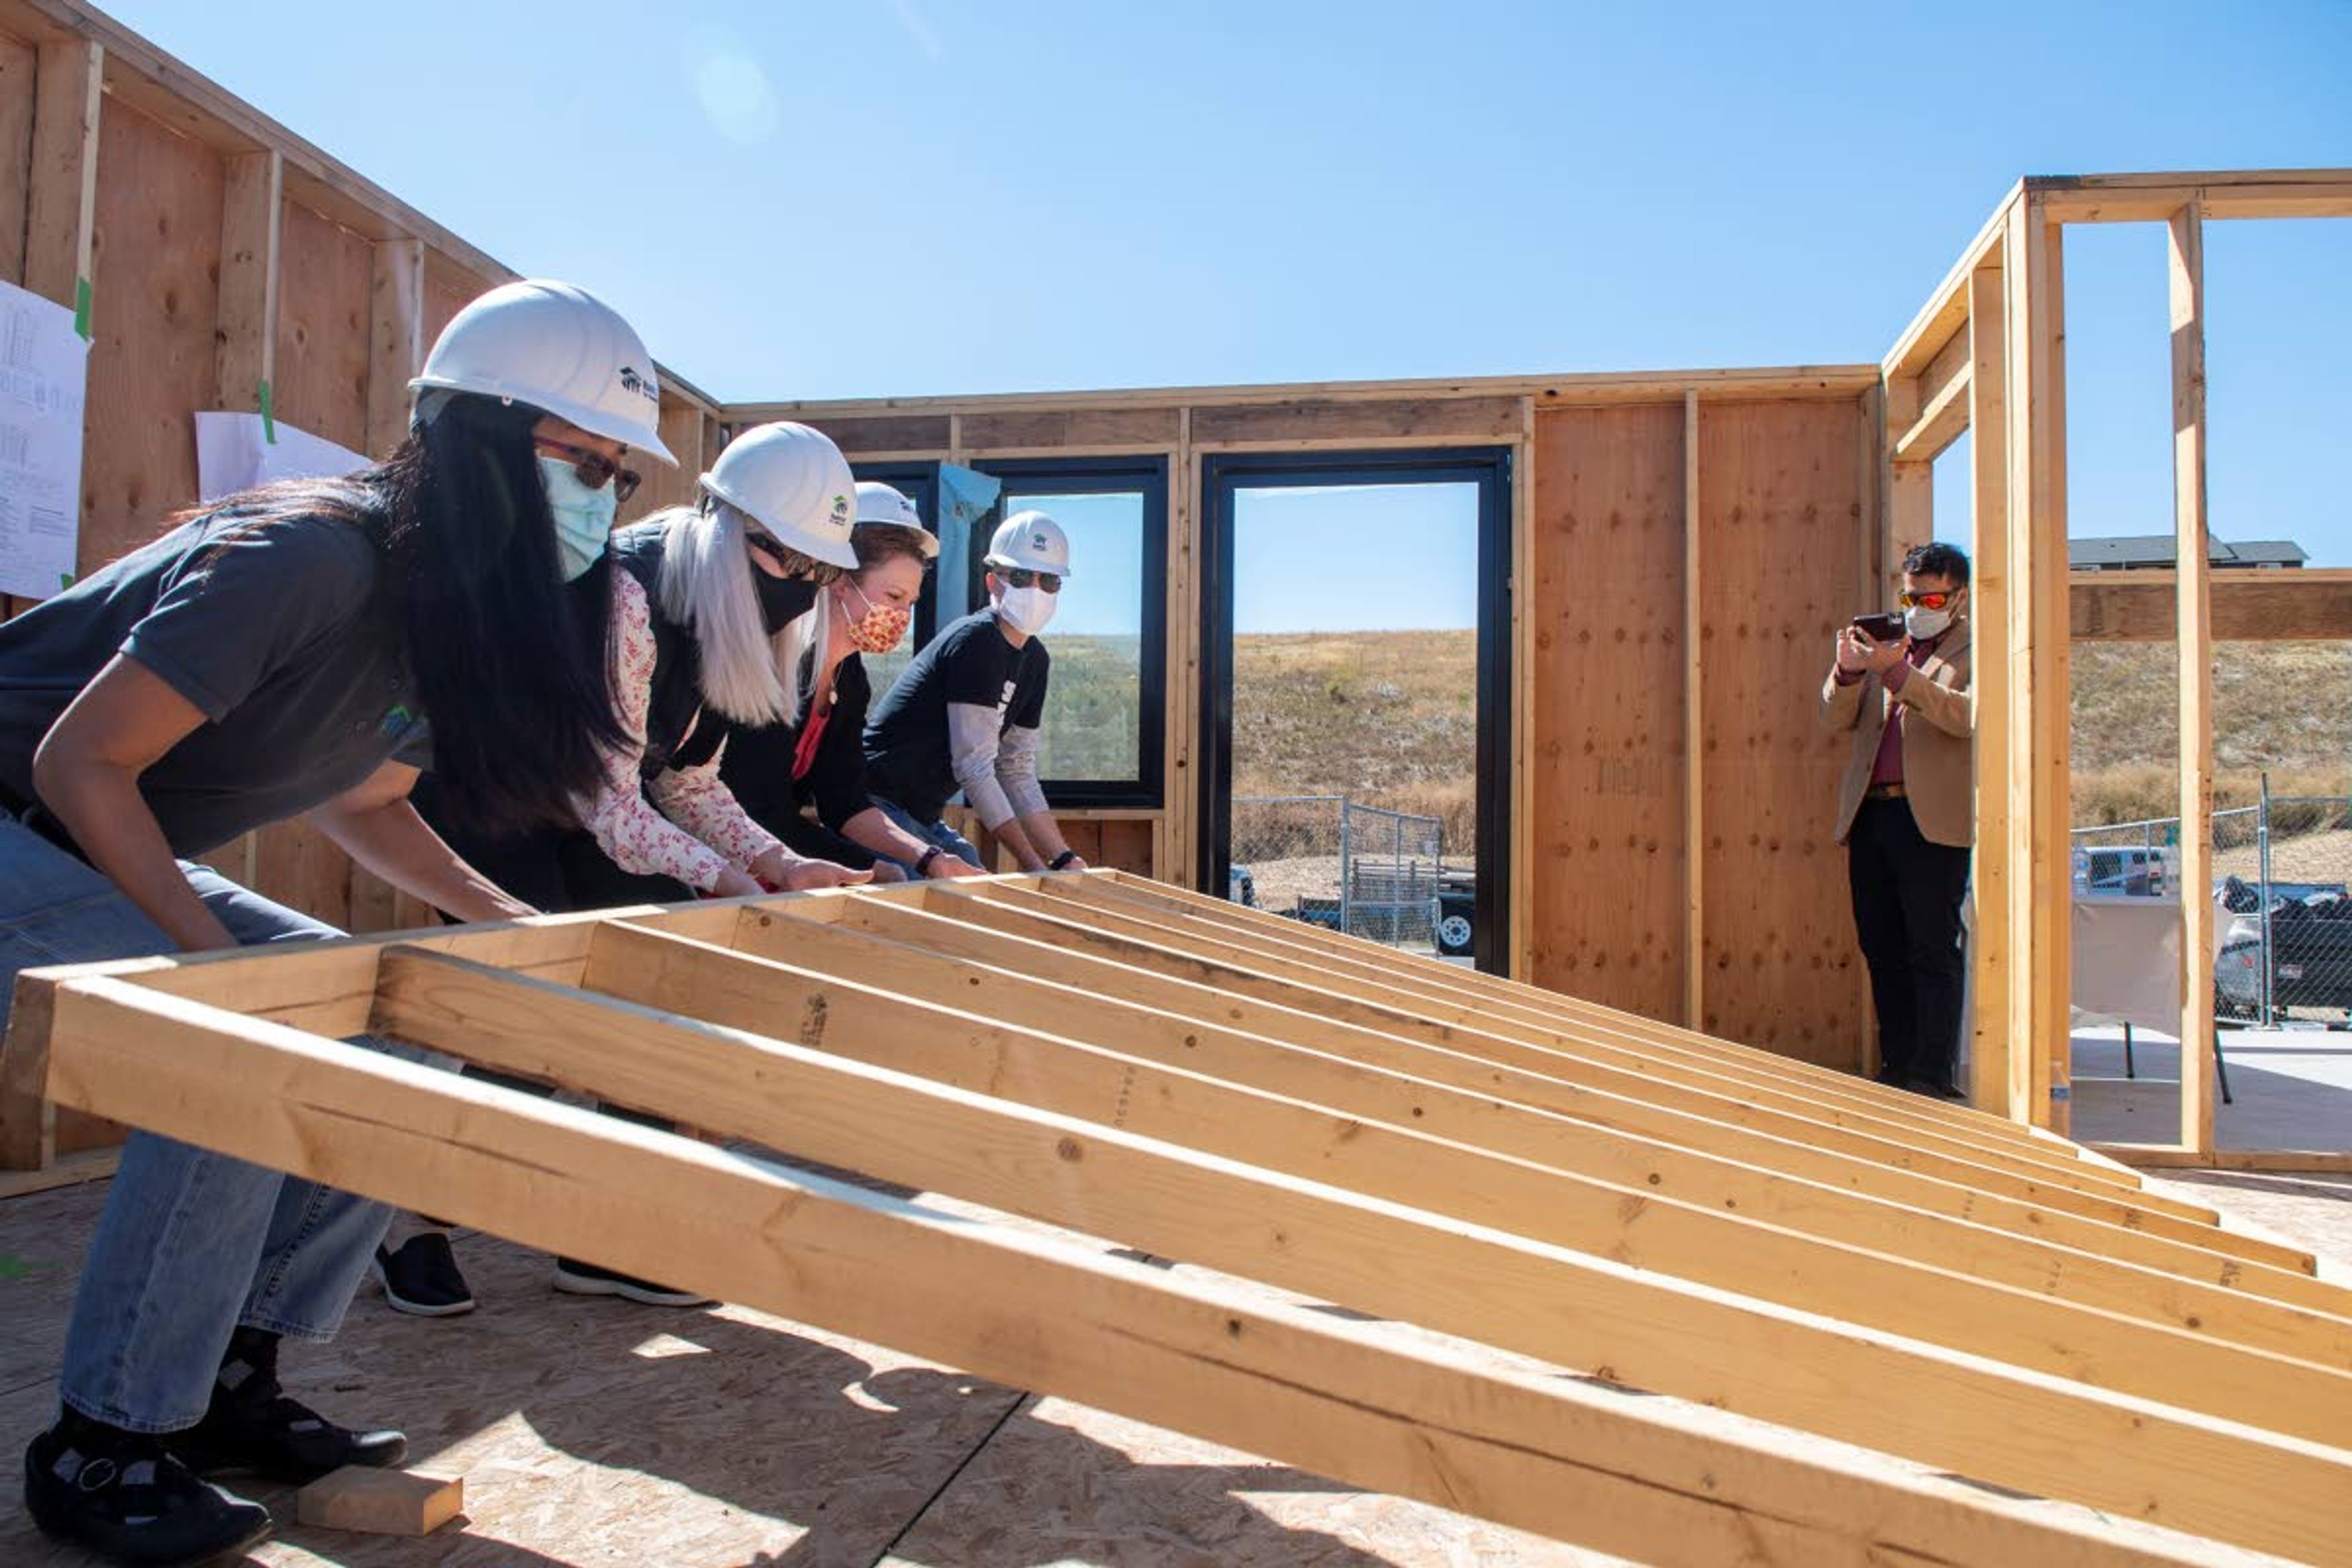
(1935, 601)
(793, 563)
(594, 468)
(1021, 577)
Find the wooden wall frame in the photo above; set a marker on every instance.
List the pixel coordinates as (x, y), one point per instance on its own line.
(1161, 1070)
(1989, 358)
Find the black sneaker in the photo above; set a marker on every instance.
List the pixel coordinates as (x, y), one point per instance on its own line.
(586, 1280)
(422, 1278)
(253, 1428)
(136, 1504)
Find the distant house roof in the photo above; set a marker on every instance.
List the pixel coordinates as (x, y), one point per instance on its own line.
(2148, 551)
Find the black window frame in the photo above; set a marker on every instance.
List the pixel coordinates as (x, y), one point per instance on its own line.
(956, 588)
(1490, 469)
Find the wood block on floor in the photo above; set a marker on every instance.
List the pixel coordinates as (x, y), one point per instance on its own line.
(382, 1502)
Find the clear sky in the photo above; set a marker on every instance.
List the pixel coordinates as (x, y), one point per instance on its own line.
(905, 196)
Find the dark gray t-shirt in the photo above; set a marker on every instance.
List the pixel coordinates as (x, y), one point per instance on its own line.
(275, 632)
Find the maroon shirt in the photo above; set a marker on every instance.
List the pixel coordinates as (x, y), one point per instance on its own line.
(1887, 767)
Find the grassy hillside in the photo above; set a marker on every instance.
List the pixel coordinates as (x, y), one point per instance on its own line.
(2281, 708)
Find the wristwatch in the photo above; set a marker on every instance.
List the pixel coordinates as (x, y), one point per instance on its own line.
(923, 863)
(1061, 861)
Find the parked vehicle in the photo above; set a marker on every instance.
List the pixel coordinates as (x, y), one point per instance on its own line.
(1241, 887)
(1457, 904)
(2132, 869)
(2310, 942)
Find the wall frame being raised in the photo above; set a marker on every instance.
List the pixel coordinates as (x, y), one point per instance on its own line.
(1159, 1070)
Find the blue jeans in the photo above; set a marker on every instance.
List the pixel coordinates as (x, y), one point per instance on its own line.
(938, 833)
(192, 1244)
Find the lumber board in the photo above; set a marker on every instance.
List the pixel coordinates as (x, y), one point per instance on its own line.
(2306, 604)
(1341, 1065)
(1615, 1100)
(19, 68)
(396, 339)
(245, 332)
(2039, 930)
(1693, 758)
(1581, 389)
(1248, 1097)
(1444, 419)
(1585, 1057)
(1822, 1085)
(1943, 418)
(857, 434)
(61, 177)
(2222, 194)
(1137, 428)
(2185, 252)
(1606, 918)
(1571, 1459)
(1999, 1069)
(66, 1171)
(380, 1502)
(326, 343)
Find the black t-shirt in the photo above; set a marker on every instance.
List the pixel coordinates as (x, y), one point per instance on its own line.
(276, 631)
(907, 756)
(758, 766)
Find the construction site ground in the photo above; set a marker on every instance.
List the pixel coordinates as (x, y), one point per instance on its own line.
(591, 1431)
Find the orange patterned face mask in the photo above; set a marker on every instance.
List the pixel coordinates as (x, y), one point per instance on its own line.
(879, 630)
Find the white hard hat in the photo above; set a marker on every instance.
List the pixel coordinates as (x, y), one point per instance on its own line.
(885, 504)
(1033, 541)
(793, 482)
(559, 349)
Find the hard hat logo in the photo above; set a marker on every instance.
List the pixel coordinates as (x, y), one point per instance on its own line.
(644, 386)
(841, 508)
(1039, 542)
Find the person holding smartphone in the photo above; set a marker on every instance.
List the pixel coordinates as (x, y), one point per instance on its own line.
(1906, 812)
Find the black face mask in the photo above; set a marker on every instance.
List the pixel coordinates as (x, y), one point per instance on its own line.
(783, 600)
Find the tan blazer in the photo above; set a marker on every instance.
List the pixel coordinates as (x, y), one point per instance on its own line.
(1939, 735)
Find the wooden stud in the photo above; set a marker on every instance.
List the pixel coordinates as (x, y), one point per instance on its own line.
(1997, 1081)
(61, 204)
(2040, 937)
(245, 329)
(1549, 1455)
(2195, 576)
(19, 73)
(2306, 605)
(1694, 781)
(1155, 1062)
(397, 342)
(1137, 1193)
(1495, 1027)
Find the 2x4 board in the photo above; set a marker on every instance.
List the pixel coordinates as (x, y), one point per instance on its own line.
(1650, 1211)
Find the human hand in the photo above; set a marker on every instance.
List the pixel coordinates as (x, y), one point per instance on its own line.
(781, 871)
(1075, 863)
(734, 884)
(1878, 658)
(947, 866)
(1853, 645)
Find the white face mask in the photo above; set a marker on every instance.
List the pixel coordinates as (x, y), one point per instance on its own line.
(1026, 610)
(583, 517)
(1923, 622)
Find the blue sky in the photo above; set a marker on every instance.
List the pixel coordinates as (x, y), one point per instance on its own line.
(965, 196)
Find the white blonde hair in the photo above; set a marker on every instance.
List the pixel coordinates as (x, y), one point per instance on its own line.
(706, 587)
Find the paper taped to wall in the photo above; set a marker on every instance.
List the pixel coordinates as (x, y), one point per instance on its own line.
(43, 365)
(235, 452)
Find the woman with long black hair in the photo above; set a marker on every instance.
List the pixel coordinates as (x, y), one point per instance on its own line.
(699, 606)
(293, 650)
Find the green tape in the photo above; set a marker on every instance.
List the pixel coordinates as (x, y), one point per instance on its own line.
(268, 418)
(81, 308)
(65, 581)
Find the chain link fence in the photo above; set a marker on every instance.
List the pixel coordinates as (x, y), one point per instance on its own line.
(1360, 869)
(2282, 895)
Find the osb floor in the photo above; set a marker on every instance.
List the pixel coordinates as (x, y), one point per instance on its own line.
(595, 1432)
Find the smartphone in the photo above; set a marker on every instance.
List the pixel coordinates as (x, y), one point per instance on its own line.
(1880, 627)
